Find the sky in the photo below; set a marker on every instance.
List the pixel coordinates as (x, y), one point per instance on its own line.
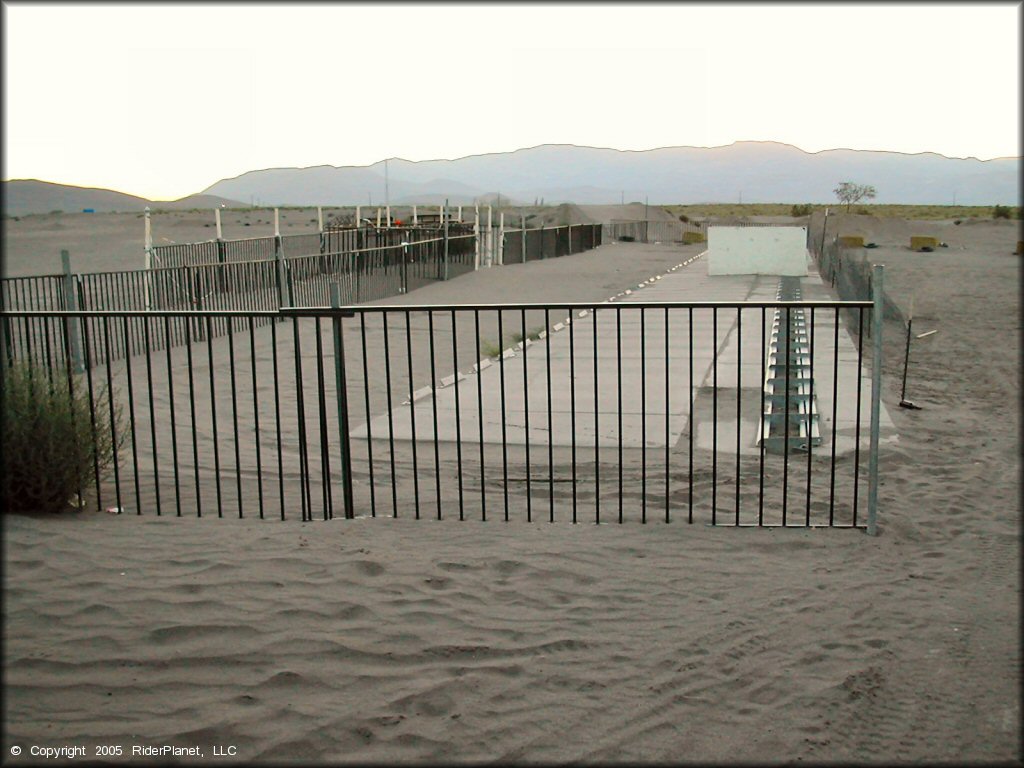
(163, 100)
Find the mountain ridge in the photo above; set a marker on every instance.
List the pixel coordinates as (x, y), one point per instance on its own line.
(746, 171)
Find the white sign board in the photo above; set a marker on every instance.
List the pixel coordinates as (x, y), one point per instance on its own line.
(778, 251)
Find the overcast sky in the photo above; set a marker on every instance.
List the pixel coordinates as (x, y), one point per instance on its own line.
(163, 100)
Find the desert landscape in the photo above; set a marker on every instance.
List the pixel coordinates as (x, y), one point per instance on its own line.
(445, 641)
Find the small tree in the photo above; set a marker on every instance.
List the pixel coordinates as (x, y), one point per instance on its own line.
(850, 193)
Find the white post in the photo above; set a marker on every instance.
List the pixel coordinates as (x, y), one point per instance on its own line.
(319, 219)
(490, 238)
(216, 215)
(440, 210)
(358, 219)
(378, 217)
(148, 256)
(387, 215)
(460, 215)
(74, 323)
(476, 238)
(277, 223)
(501, 239)
(415, 220)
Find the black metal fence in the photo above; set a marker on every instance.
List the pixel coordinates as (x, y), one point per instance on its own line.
(555, 412)
(848, 271)
(655, 231)
(373, 273)
(522, 245)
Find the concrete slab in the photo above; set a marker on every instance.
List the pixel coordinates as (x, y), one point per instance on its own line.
(635, 385)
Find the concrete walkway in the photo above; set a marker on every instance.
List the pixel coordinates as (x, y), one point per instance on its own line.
(545, 392)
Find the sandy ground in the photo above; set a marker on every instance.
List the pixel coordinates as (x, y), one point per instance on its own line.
(103, 242)
(444, 641)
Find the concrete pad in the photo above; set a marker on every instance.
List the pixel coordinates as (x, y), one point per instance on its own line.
(655, 393)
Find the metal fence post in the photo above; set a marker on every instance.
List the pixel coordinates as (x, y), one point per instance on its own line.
(500, 243)
(221, 254)
(476, 239)
(148, 259)
(876, 398)
(340, 380)
(522, 226)
(444, 222)
(405, 267)
(74, 323)
(284, 293)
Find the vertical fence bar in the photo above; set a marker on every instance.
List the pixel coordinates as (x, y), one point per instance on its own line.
(131, 417)
(526, 418)
(341, 384)
(391, 417)
(597, 431)
(785, 434)
(433, 399)
(235, 417)
(739, 402)
(857, 430)
(551, 441)
(876, 397)
(115, 461)
(213, 421)
(761, 447)
(174, 429)
(714, 412)
(277, 415)
(643, 417)
(192, 411)
(810, 420)
(572, 408)
(618, 388)
(504, 417)
(480, 408)
(256, 412)
(458, 409)
(412, 415)
(366, 390)
(305, 501)
(835, 405)
(325, 457)
(146, 336)
(692, 398)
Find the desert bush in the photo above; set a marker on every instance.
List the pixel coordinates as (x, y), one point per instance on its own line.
(491, 349)
(800, 210)
(1001, 212)
(684, 218)
(53, 438)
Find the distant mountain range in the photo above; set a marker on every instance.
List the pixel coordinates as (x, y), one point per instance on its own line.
(753, 172)
(24, 196)
(749, 172)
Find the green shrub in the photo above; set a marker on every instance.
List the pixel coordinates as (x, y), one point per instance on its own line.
(1000, 212)
(800, 210)
(684, 218)
(50, 451)
(491, 349)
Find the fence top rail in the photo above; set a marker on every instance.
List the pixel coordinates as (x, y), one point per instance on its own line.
(51, 276)
(352, 309)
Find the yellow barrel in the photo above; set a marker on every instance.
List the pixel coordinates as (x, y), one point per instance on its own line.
(917, 242)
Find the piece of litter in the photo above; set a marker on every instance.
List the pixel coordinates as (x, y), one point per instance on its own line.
(114, 510)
